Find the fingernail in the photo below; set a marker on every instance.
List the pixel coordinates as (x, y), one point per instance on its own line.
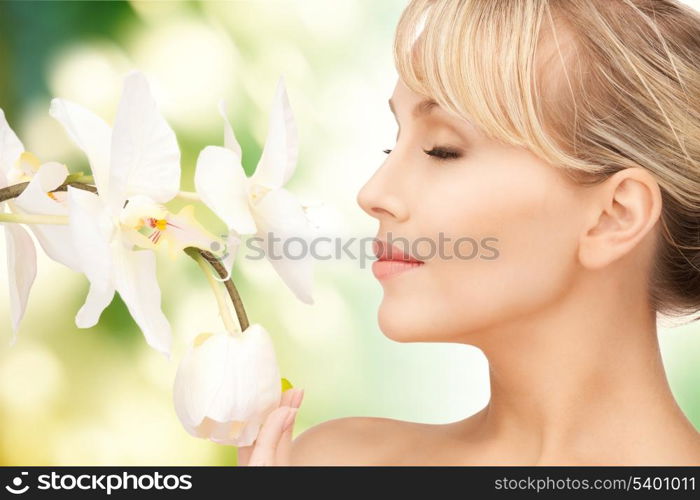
(289, 420)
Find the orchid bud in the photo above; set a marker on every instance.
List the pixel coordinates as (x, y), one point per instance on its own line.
(226, 385)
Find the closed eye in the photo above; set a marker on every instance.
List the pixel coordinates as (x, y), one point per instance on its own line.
(442, 153)
(438, 153)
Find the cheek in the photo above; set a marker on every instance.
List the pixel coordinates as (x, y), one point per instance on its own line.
(519, 255)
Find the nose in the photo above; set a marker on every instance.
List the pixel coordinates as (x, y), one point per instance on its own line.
(379, 197)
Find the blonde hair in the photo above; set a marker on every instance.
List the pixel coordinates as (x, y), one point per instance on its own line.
(591, 86)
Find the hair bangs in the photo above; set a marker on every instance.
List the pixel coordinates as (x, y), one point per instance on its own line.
(496, 64)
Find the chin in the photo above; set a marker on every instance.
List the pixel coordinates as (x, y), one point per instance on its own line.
(401, 323)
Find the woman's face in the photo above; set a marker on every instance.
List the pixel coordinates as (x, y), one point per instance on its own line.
(507, 222)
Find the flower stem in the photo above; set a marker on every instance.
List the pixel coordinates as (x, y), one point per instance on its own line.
(80, 179)
(34, 219)
(189, 195)
(226, 317)
(11, 192)
(230, 287)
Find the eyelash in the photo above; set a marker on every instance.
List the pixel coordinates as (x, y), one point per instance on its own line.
(440, 154)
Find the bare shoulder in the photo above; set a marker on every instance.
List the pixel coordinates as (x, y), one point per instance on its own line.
(354, 441)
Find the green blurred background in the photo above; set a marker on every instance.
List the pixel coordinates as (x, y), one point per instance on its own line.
(101, 396)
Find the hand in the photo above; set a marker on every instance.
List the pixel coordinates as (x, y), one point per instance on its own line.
(273, 446)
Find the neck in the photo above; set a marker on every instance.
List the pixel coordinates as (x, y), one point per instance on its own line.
(581, 378)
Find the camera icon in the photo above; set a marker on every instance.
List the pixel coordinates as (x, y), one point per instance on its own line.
(16, 487)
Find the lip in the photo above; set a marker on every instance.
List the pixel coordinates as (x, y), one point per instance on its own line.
(384, 251)
(391, 260)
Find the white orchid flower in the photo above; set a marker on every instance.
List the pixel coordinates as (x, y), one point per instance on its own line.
(21, 264)
(21, 255)
(226, 385)
(37, 197)
(260, 204)
(16, 166)
(136, 168)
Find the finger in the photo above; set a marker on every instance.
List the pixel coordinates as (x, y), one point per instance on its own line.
(269, 436)
(287, 396)
(298, 398)
(284, 448)
(244, 452)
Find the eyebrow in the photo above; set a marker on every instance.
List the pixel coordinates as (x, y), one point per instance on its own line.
(423, 108)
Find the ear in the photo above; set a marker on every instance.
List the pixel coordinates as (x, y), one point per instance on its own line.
(624, 209)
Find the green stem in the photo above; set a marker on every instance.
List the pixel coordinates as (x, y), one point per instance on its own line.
(34, 219)
(79, 178)
(189, 195)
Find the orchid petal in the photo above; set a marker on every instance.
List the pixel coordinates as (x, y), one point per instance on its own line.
(25, 168)
(234, 433)
(135, 279)
(56, 242)
(36, 199)
(281, 216)
(279, 156)
(183, 231)
(91, 231)
(250, 356)
(96, 302)
(90, 133)
(138, 209)
(233, 243)
(138, 240)
(135, 216)
(21, 267)
(221, 182)
(230, 141)
(10, 146)
(145, 153)
(199, 374)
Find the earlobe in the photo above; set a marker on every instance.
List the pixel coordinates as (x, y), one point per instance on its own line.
(625, 210)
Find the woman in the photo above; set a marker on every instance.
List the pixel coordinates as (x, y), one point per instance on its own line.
(567, 133)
